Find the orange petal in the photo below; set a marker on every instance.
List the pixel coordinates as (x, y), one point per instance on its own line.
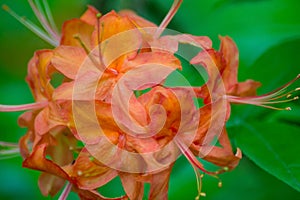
(37, 160)
(211, 125)
(88, 173)
(64, 92)
(68, 59)
(94, 195)
(170, 43)
(230, 54)
(160, 184)
(39, 73)
(133, 188)
(79, 28)
(158, 58)
(50, 184)
(90, 16)
(46, 120)
(112, 24)
(138, 21)
(244, 89)
(222, 156)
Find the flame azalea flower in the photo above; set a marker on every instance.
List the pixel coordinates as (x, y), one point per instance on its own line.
(222, 67)
(107, 61)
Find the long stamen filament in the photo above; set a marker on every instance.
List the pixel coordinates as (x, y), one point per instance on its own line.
(49, 16)
(38, 11)
(94, 61)
(257, 104)
(199, 183)
(65, 192)
(87, 51)
(31, 106)
(9, 150)
(193, 160)
(283, 87)
(31, 26)
(8, 144)
(100, 37)
(175, 6)
(275, 97)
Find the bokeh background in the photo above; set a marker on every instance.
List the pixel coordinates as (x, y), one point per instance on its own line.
(267, 33)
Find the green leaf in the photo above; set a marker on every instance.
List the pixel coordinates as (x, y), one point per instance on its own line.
(273, 147)
(254, 25)
(246, 177)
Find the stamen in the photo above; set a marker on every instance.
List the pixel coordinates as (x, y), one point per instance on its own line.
(274, 97)
(193, 160)
(49, 16)
(87, 51)
(31, 26)
(40, 16)
(31, 106)
(100, 37)
(288, 108)
(175, 6)
(83, 45)
(220, 184)
(65, 192)
(94, 61)
(199, 182)
(261, 104)
(8, 150)
(8, 144)
(79, 173)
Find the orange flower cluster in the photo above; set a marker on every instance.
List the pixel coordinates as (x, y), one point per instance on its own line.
(112, 115)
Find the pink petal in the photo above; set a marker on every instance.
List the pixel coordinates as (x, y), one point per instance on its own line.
(68, 59)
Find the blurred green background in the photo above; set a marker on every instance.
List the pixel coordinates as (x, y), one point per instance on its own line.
(267, 33)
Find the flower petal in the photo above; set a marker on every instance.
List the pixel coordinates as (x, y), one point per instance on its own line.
(138, 21)
(78, 28)
(133, 188)
(170, 43)
(244, 89)
(50, 184)
(160, 185)
(230, 54)
(88, 173)
(68, 59)
(90, 16)
(39, 74)
(37, 160)
(222, 156)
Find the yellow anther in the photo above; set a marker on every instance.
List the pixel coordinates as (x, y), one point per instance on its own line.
(5, 7)
(79, 173)
(98, 15)
(220, 184)
(202, 194)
